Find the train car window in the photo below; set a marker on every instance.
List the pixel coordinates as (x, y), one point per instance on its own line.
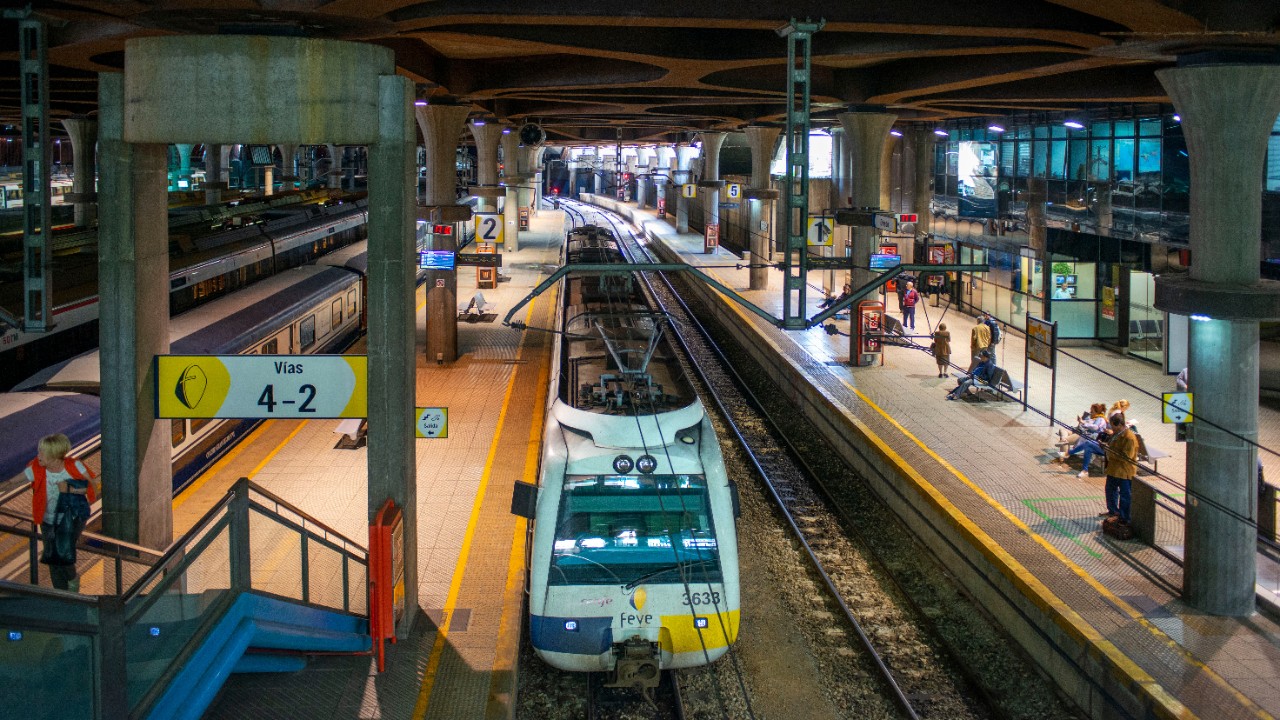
(271, 347)
(351, 301)
(198, 425)
(336, 309)
(177, 431)
(307, 332)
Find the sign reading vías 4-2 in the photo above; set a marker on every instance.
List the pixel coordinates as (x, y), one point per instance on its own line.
(261, 386)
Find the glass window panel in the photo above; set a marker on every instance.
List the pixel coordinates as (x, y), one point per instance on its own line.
(1007, 157)
(1149, 126)
(953, 158)
(1058, 159)
(1042, 131)
(1273, 163)
(1124, 128)
(1100, 129)
(1176, 177)
(1058, 131)
(1148, 156)
(940, 159)
(177, 431)
(1122, 160)
(1022, 131)
(1078, 162)
(1100, 160)
(1041, 158)
(966, 134)
(1024, 159)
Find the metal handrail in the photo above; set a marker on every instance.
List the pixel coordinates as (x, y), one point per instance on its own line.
(307, 518)
(205, 521)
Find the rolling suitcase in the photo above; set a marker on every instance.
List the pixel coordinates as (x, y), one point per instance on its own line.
(1117, 528)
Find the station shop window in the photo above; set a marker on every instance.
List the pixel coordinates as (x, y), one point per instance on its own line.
(177, 431)
(307, 332)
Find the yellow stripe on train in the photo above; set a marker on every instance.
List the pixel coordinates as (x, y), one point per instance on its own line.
(680, 635)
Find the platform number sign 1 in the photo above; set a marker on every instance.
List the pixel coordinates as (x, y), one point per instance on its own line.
(489, 228)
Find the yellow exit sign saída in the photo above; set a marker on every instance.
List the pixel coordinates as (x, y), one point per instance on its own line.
(261, 386)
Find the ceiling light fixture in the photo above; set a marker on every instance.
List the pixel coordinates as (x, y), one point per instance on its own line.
(895, 133)
(941, 133)
(1074, 124)
(419, 103)
(995, 128)
(1177, 118)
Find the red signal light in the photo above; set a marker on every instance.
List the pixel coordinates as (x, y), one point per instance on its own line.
(442, 229)
(555, 191)
(909, 218)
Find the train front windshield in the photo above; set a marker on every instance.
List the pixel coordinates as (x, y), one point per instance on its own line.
(623, 529)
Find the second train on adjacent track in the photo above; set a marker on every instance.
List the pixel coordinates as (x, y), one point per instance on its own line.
(634, 558)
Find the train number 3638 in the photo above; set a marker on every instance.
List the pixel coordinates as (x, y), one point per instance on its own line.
(711, 597)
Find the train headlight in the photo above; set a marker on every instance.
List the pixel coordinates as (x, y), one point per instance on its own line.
(647, 464)
(699, 622)
(571, 625)
(622, 464)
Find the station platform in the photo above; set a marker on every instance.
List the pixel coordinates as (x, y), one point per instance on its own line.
(986, 468)
(460, 659)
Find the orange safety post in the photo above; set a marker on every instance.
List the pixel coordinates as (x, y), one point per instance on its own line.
(386, 577)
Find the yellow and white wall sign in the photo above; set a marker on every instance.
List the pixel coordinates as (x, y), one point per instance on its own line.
(733, 191)
(689, 190)
(261, 386)
(821, 229)
(489, 228)
(431, 422)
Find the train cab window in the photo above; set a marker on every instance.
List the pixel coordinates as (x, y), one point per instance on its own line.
(307, 332)
(177, 431)
(271, 347)
(617, 528)
(336, 310)
(197, 425)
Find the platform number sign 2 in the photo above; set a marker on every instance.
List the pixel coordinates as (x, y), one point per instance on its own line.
(489, 228)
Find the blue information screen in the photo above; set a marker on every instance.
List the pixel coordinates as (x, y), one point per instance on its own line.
(436, 259)
(884, 261)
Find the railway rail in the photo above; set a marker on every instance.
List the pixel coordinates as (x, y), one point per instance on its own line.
(899, 639)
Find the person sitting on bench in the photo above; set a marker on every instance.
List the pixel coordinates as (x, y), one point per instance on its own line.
(985, 373)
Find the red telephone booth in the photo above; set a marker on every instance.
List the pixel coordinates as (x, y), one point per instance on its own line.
(386, 577)
(869, 334)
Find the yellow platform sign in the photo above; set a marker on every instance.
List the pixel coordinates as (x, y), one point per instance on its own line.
(489, 228)
(261, 386)
(689, 190)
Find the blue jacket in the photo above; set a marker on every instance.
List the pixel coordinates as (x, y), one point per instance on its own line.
(985, 371)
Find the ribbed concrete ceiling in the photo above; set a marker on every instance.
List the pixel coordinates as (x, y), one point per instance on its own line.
(651, 69)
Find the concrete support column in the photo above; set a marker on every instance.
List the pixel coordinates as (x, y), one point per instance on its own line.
(886, 173)
(510, 144)
(184, 161)
(392, 275)
(269, 180)
(922, 142)
(573, 177)
(84, 141)
(487, 136)
(711, 182)
(289, 163)
(644, 175)
(684, 158)
(540, 181)
(1227, 115)
(441, 125)
(760, 202)
(335, 167)
(133, 272)
(865, 133)
(224, 169)
(212, 174)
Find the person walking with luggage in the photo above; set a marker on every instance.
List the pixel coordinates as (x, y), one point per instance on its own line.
(979, 341)
(942, 349)
(909, 300)
(1122, 467)
(60, 498)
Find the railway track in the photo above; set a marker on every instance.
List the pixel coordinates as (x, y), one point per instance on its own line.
(664, 703)
(917, 671)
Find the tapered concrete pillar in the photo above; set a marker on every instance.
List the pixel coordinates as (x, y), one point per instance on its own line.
(133, 282)
(510, 144)
(212, 174)
(886, 172)
(441, 127)
(865, 133)
(644, 177)
(1227, 114)
(711, 182)
(335, 167)
(288, 164)
(922, 142)
(684, 159)
(84, 145)
(392, 276)
(536, 166)
(760, 202)
(183, 153)
(487, 136)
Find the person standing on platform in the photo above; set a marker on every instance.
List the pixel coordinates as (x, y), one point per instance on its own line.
(994, 328)
(979, 341)
(59, 483)
(942, 349)
(1122, 467)
(909, 300)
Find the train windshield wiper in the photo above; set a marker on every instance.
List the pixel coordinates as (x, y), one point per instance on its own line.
(685, 564)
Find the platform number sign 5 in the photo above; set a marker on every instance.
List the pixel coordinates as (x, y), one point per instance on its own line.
(489, 228)
(733, 191)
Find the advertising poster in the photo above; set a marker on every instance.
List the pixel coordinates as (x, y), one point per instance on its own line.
(1108, 302)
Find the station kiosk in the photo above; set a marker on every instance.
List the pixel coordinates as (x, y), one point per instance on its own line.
(869, 334)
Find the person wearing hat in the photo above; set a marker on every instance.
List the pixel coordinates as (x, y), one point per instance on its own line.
(985, 372)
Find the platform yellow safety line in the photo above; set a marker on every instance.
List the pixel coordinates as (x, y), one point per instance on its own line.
(1034, 589)
(516, 561)
(459, 571)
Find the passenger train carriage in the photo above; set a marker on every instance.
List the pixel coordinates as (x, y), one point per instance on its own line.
(633, 565)
(307, 310)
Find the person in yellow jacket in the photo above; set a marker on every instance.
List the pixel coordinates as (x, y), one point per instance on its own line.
(979, 340)
(1122, 467)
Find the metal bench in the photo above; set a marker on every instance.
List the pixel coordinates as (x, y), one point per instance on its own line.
(476, 306)
(1003, 386)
